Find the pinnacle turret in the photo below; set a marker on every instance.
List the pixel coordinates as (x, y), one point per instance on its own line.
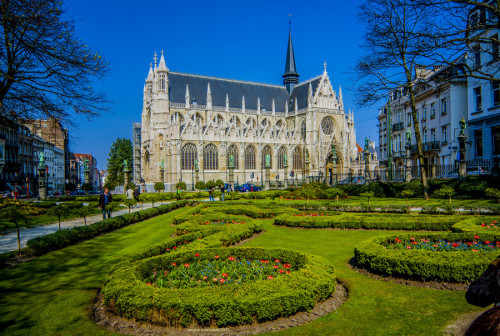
(291, 77)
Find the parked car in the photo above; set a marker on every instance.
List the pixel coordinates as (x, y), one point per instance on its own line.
(249, 187)
(353, 180)
(477, 170)
(345, 181)
(78, 193)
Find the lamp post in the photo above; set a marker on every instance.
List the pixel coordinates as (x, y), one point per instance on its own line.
(334, 162)
(192, 178)
(462, 170)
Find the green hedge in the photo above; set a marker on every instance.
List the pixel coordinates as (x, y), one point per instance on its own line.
(456, 266)
(63, 238)
(328, 206)
(261, 211)
(473, 225)
(126, 293)
(370, 221)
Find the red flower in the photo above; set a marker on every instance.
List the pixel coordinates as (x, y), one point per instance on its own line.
(276, 266)
(175, 247)
(231, 258)
(408, 247)
(281, 271)
(476, 237)
(270, 277)
(148, 283)
(412, 238)
(487, 242)
(224, 275)
(222, 281)
(287, 272)
(414, 242)
(215, 279)
(167, 250)
(173, 264)
(469, 243)
(216, 257)
(196, 254)
(474, 250)
(435, 245)
(277, 261)
(483, 224)
(494, 222)
(185, 242)
(454, 245)
(165, 273)
(186, 265)
(205, 277)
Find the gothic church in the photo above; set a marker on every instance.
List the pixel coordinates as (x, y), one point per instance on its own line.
(192, 122)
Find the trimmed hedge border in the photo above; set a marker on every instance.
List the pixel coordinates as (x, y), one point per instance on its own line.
(60, 239)
(474, 225)
(457, 266)
(126, 294)
(370, 222)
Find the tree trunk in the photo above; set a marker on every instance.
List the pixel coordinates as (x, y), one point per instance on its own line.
(416, 127)
(18, 238)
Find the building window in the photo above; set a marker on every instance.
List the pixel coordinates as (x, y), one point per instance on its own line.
(477, 56)
(210, 158)
(250, 157)
(425, 136)
(281, 158)
(495, 48)
(444, 134)
(495, 135)
(188, 155)
(433, 134)
(424, 112)
(433, 110)
(297, 158)
(408, 116)
(478, 98)
(495, 92)
(478, 140)
(266, 151)
(232, 150)
(443, 107)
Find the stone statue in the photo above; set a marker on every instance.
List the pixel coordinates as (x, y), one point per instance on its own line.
(196, 164)
(125, 165)
(41, 157)
(86, 164)
(268, 160)
(284, 160)
(307, 157)
(231, 161)
(462, 126)
(408, 136)
(367, 143)
(162, 164)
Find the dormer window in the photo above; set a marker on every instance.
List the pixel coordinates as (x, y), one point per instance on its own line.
(194, 102)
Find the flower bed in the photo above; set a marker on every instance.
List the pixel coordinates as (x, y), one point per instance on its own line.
(369, 221)
(445, 262)
(481, 225)
(127, 292)
(216, 272)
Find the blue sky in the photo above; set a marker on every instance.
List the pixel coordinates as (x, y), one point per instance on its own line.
(243, 40)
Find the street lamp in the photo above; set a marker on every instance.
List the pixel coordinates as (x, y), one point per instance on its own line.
(192, 178)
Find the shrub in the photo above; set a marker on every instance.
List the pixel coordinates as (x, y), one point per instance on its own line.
(159, 187)
(493, 193)
(219, 183)
(444, 192)
(366, 221)
(200, 185)
(180, 185)
(455, 266)
(210, 184)
(126, 293)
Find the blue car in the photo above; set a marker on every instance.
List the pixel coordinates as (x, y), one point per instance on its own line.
(249, 187)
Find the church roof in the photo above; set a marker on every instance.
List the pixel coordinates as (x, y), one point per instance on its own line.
(220, 87)
(300, 92)
(290, 68)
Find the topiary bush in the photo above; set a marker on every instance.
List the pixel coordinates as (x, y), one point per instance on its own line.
(453, 265)
(127, 293)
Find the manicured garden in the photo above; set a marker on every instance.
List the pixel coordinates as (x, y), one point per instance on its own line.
(147, 269)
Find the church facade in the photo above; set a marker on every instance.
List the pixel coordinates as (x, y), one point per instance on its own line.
(197, 123)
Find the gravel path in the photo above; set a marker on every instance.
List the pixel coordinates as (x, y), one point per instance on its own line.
(8, 242)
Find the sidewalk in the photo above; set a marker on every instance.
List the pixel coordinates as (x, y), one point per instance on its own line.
(8, 242)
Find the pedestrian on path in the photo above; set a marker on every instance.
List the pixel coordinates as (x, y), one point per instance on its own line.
(178, 194)
(130, 193)
(211, 194)
(104, 202)
(223, 191)
(136, 195)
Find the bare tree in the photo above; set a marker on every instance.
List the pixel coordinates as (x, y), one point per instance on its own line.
(398, 37)
(45, 71)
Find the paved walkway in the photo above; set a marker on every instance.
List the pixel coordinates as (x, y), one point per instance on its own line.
(8, 242)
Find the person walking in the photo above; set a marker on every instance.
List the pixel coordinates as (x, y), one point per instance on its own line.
(211, 194)
(104, 201)
(178, 194)
(136, 195)
(130, 193)
(222, 191)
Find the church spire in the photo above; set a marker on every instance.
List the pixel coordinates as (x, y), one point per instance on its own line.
(291, 77)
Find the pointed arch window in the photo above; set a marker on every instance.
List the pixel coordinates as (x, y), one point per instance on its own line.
(250, 157)
(188, 155)
(210, 158)
(281, 158)
(297, 158)
(267, 151)
(232, 150)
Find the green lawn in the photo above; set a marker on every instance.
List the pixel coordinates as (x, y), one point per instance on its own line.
(53, 294)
